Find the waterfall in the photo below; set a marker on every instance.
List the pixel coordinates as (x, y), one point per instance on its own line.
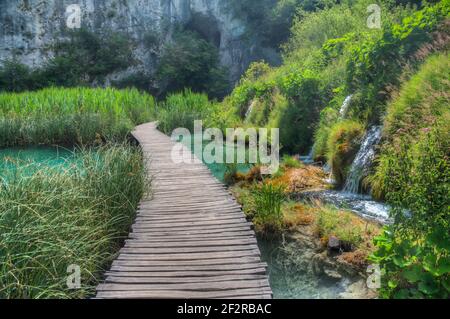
(249, 111)
(308, 159)
(363, 160)
(344, 108)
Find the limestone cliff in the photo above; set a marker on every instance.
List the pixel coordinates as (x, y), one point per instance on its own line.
(28, 27)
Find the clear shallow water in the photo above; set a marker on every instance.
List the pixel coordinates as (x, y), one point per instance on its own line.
(362, 205)
(291, 275)
(11, 158)
(219, 169)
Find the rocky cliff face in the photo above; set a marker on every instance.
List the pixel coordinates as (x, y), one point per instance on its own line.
(28, 27)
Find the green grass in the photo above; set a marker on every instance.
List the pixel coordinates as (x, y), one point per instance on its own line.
(55, 218)
(71, 116)
(76, 213)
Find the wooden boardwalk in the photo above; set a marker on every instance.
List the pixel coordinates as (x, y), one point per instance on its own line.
(190, 240)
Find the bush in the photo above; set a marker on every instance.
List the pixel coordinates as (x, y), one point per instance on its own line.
(15, 77)
(191, 62)
(182, 109)
(413, 176)
(343, 143)
(328, 117)
(376, 65)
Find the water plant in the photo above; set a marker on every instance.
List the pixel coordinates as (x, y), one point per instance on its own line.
(71, 116)
(54, 218)
(268, 199)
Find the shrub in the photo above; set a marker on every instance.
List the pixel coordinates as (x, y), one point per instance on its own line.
(377, 63)
(343, 144)
(413, 176)
(328, 117)
(191, 62)
(341, 224)
(291, 162)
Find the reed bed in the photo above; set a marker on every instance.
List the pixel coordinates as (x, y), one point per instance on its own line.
(79, 116)
(55, 217)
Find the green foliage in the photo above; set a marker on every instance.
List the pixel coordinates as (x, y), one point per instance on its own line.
(15, 77)
(378, 62)
(182, 109)
(343, 143)
(341, 224)
(311, 30)
(56, 218)
(291, 162)
(71, 116)
(413, 176)
(87, 57)
(268, 199)
(328, 117)
(82, 59)
(191, 62)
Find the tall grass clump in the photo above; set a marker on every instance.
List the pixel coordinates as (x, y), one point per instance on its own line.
(413, 176)
(268, 217)
(182, 109)
(62, 216)
(71, 116)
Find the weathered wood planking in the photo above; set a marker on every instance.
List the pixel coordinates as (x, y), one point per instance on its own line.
(190, 240)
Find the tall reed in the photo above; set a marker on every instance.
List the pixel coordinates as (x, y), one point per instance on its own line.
(71, 116)
(75, 215)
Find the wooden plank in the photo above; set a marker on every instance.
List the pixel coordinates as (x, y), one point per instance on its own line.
(205, 257)
(195, 262)
(117, 279)
(257, 283)
(190, 238)
(129, 249)
(161, 294)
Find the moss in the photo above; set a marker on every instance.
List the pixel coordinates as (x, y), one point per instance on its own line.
(343, 143)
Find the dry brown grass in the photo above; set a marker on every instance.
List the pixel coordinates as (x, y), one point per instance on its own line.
(296, 214)
(301, 179)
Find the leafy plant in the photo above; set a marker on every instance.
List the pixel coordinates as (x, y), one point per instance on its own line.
(268, 199)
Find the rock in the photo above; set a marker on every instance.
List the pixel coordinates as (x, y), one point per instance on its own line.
(358, 290)
(29, 27)
(332, 274)
(334, 243)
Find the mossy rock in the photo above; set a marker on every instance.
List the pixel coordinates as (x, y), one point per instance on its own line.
(343, 144)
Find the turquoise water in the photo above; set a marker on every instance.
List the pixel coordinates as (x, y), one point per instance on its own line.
(219, 169)
(32, 157)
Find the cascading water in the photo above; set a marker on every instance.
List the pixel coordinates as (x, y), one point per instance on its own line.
(345, 105)
(308, 159)
(363, 160)
(249, 111)
(350, 198)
